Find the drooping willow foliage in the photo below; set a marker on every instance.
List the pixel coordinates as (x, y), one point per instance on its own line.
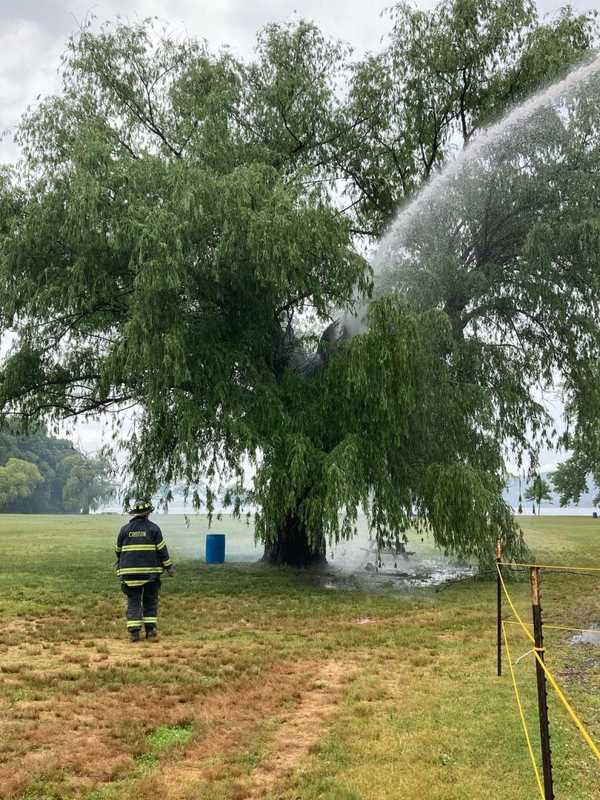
(177, 214)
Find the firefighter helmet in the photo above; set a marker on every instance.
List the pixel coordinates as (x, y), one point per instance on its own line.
(141, 506)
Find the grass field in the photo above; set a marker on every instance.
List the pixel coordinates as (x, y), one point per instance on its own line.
(265, 685)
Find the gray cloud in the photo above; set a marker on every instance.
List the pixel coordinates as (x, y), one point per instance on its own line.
(28, 67)
(52, 16)
(33, 34)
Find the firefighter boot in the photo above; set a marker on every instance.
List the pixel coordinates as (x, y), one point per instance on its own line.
(151, 634)
(134, 635)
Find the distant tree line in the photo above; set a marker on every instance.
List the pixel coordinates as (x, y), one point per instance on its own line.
(42, 474)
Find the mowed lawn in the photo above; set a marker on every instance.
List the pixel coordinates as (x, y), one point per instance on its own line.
(264, 684)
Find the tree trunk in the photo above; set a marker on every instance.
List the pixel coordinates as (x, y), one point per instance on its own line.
(292, 548)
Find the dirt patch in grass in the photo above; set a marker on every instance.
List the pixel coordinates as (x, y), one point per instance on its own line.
(20, 625)
(70, 735)
(19, 630)
(302, 729)
(44, 670)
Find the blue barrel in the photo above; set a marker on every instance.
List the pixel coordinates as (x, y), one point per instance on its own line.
(215, 548)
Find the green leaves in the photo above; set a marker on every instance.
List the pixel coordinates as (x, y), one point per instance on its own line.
(18, 479)
(87, 485)
(464, 508)
(572, 477)
(47, 475)
(538, 490)
(385, 427)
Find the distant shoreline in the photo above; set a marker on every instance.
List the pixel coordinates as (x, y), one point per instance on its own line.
(547, 511)
(554, 511)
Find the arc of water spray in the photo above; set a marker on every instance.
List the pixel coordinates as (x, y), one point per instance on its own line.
(391, 241)
(388, 255)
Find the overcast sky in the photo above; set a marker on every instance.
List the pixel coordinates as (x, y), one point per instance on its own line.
(33, 34)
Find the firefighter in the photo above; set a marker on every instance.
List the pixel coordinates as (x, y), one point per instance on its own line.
(142, 557)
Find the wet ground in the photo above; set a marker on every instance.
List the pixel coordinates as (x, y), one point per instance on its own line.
(360, 564)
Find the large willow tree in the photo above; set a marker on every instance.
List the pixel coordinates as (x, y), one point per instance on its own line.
(177, 214)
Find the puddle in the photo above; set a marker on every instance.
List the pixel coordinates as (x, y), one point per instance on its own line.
(590, 636)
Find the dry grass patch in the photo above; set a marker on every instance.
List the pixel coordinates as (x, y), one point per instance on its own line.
(93, 738)
(45, 664)
(251, 745)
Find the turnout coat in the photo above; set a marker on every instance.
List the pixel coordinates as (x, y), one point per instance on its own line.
(142, 554)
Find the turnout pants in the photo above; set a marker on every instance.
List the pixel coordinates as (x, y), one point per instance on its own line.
(142, 605)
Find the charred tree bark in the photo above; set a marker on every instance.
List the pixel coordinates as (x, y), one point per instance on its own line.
(292, 547)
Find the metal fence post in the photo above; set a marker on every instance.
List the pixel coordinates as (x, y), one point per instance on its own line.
(538, 635)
